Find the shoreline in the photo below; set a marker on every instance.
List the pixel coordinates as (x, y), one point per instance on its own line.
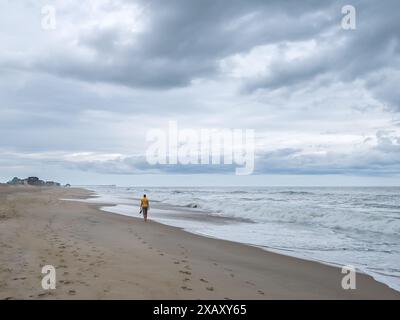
(103, 255)
(263, 248)
(187, 214)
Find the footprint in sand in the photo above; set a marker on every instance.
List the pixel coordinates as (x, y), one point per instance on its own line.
(210, 288)
(176, 262)
(186, 288)
(203, 280)
(185, 272)
(186, 279)
(260, 292)
(187, 267)
(72, 292)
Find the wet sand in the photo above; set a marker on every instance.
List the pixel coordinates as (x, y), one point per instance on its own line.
(100, 255)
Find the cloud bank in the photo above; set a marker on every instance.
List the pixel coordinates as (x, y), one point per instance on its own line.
(322, 100)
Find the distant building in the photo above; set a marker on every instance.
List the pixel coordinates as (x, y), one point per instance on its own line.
(35, 181)
(52, 184)
(15, 181)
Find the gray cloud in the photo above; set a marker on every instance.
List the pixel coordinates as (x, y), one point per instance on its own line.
(182, 41)
(369, 54)
(379, 159)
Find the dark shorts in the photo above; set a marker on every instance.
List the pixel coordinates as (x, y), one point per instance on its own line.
(144, 210)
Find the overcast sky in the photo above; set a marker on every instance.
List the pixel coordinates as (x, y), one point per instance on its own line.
(76, 102)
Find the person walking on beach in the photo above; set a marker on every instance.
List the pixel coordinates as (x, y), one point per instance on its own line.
(144, 206)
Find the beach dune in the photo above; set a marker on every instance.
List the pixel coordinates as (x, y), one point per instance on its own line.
(100, 255)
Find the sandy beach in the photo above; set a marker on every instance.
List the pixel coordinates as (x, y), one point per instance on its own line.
(100, 255)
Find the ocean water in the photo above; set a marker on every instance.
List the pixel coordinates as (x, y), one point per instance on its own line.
(357, 226)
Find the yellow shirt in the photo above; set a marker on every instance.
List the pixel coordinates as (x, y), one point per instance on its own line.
(144, 202)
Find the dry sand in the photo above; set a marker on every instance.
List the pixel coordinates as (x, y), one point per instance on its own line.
(100, 255)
